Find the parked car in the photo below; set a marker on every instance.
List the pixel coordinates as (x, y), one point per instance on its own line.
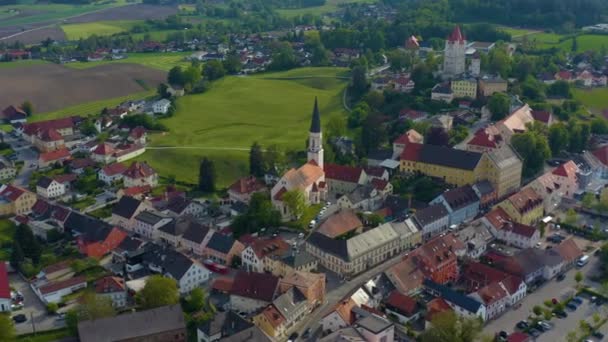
(571, 306)
(577, 300)
(560, 313)
(306, 333)
(534, 333)
(523, 325)
(20, 318)
(561, 277)
(293, 336)
(597, 335)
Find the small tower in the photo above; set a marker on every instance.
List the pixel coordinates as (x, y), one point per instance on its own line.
(315, 137)
(476, 64)
(454, 59)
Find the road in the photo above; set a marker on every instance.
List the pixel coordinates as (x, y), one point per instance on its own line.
(33, 309)
(551, 289)
(27, 155)
(334, 296)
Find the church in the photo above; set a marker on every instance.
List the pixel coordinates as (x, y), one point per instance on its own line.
(310, 177)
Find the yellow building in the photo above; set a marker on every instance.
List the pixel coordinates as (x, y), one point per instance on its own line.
(525, 206)
(464, 87)
(491, 85)
(16, 201)
(504, 171)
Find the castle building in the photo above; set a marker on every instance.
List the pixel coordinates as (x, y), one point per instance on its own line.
(454, 60)
(308, 178)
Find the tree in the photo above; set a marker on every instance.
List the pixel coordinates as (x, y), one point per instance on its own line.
(588, 200)
(51, 308)
(295, 202)
(558, 138)
(195, 301)
(358, 82)
(537, 310)
(283, 57)
(448, 327)
(578, 277)
(28, 108)
(571, 217)
(534, 150)
(17, 256)
(574, 46)
(214, 70)
(7, 329)
(206, 176)
(499, 104)
(373, 133)
(256, 160)
(158, 291)
(437, 136)
(336, 126)
(175, 76)
(30, 246)
(191, 76)
(232, 64)
(260, 214)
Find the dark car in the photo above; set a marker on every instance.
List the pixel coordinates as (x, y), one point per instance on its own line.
(293, 336)
(306, 333)
(561, 313)
(561, 277)
(572, 306)
(534, 333)
(19, 318)
(522, 325)
(577, 300)
(597, 335)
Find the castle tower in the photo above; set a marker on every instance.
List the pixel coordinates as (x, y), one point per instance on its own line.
(454, 59)
(476, 65)
(315, 137)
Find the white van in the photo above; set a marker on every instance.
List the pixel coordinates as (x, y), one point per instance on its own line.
(582, 261)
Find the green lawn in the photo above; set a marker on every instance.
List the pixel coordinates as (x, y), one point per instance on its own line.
(90, 108)
(160, 61)
(236, 112)
(595, 99)
(21, 64)
(585, 42)
(7, 230)
(517, 32)
(46, 336)
(330, 6)
(100, 28)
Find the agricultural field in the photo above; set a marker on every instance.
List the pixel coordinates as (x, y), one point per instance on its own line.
(52, 87)
(330, 6)
(159, 61)
(595, 100)
(223, 122)
(99, 28)
(545, 40)
(516, 32)
(21, 64)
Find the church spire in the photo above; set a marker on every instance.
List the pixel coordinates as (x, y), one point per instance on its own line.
(315, 125)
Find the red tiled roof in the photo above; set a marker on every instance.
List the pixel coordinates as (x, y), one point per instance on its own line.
(541, 115)
(55, 286)
(435, 307)
(12, 111)
(56, 124)
(247, 185)
(137, 132)
(412, 114)
(67, 178)
(267, 247)
(404, 304)
(50, 134)
(492, 293)
(261, 286)
(564, 75)
(601, 154)
(456, 36)
(522, 229)
(114, 169)
(222, 284)
(379, 184)
(139, 170)
(479, 275)
(54, 155)
(81, 163)
(103, 149)
(273, 316)
(40, 207)
(525, 199)
(109, 285)
(57, 267)
(411, 152)
(375, 171)
(498, 217)
(567, 169)
(340, 223)
(12, 192)
(5, 289)
(410, 136)
(136, 190)
(569, 250)
(279, 195)
(343, 173)
(483, 138)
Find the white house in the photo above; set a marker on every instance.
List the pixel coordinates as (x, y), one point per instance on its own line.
(49, 188)
(147, 224)
(161, 106)
(53, 292)
(188, 273)
(111, 173)
(513, 233)
(113, 288)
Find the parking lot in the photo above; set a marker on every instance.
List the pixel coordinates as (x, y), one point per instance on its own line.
(33, 309)
(552, 289)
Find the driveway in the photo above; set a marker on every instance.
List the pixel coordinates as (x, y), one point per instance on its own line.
(551, 289)
(27, 155)
(34, 310)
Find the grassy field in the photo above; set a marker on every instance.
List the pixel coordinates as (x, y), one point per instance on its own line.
(516, 32)
(90, 108)
(46, 336)
(160, 61)
(100, 28)
(21, 64)
(595, 99)
(545, 40)
(224, 122)
(330, 6)
(7, 229)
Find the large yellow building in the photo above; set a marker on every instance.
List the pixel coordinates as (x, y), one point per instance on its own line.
(15, 201)
(464, 87)
(500, 167)
(525, 206)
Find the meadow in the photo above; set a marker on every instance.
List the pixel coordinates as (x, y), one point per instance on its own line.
(100, 28)
(223, 122)
(544, 40)
(159, 61)
(330, 6)
(595, 100)
(21, 64)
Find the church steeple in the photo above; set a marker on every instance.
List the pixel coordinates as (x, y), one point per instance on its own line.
(315, 124)
(315, 137)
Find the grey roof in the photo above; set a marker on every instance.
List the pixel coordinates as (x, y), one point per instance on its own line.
(470, 304)
(460, 197)
(449, 157)
(171, 262)
(221, 243)
(239, 207)
(126, 207)
(360, 193)
(253, 334)
(430, 214)
(225, 323)
(348, 334)
(380, 154)
(298, 259)
(148, 217)
(133, 325)
(177, 227)
(374, 323)
(44, 182)
(290, 303)
(196, 232)
(483, 188)
(315, 124)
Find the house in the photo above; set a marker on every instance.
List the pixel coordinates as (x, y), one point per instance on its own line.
(409, 234)
(7, 170)
(47, 159)
(244, 188)
(252, 291)
(412, 114)
(464, 87)
(295, 260)
(161, 106)
(432, 220)
(363, 198)
(405, 276)
(259, 255)
(229, 326)
(340, 223)
(442, 92)
(403, 84)
(113, 288)
(79, 165)
(64, 126)
(375, 328)
(553, 186)
(515, 122)
(104, 153)
(351, 256)
(124, 212)
(462, 203)
(409, 137)
(502, 226)
(437, 259)
(288, 309)
(488, 85)
(138, 135)
(5, 289)
(67, 180)
(443, 121)
(543, 116)
(15, 201)
(462, 304)
(140, 174)
(403, 307)
(172, 233)
(485, 140)
(476, 237)
(343, 179)
(165, 323)
(13, 115)
(525, 207)
(48, 140)
(147, 223)
(222, 249)
(96, 242)
(311, 285)
(137, 192)
(180, 206)
(188, 273)
(54, 291)
(487, 194)
(49, 188)
(570, 252)
(495, 297)
(111, 173)
(196, 237)
(340, 317)
(532, 264)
